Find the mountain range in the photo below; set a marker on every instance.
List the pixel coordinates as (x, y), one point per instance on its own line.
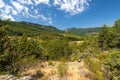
(32, 29)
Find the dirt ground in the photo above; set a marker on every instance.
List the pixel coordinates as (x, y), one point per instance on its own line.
(76, 71)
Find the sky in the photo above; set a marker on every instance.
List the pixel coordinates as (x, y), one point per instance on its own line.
(62, 14)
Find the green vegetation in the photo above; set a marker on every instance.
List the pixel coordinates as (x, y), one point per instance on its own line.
(103, 59)
(62, 69)
(56, 50)
(94, 66)
(112, 65)
(23, 45)
(50, 63)
(19, 52)
(83, 31)
(30, 29)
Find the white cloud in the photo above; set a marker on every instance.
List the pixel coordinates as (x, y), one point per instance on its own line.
(33, 16)
(41, 1)
(36, 11)
(29, 8)
(50, 20)
(29, 2)
(72, 6)
(5, 12)
(19, 7)
(47, 19)
(2, 4)
(14, 12)
(43, 17)
(3, 15)
(8, 9)
(34, 2)
(26, 11)
(9, 17)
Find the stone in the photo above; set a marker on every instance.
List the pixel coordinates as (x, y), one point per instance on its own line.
(11, 77)
(25, 78)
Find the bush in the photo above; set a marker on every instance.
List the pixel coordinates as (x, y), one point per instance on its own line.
(55, 50)
(50, 63)
(95, 67)
(62, 69)
(21, 65)
(112, 65)
(38, 74)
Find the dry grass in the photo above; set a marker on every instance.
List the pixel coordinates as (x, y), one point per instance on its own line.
(50, 71)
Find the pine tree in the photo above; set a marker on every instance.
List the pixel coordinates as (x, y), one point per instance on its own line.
(116, 28)
(5, 58)
(104, 38)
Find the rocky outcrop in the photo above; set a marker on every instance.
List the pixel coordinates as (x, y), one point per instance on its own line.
(11, 77)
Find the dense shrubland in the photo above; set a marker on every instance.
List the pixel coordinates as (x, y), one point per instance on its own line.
(100, 52)
(83, 31)
(103, 53)
(20, 52)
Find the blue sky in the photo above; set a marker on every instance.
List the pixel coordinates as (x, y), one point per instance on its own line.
(62, 13)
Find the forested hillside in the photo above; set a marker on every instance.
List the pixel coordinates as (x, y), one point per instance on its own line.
(36, 30)
(30, 29)
(83, 31)
(23, 46)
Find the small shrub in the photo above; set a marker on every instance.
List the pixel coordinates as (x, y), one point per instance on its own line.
(112, 65)
(23, 64)
(38, 74)
(62, 69)
(50, 63)
(95, 67)
(74, 57)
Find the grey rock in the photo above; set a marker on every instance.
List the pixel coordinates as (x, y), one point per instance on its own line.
(25, 78)
(11, 77)
(6, 77)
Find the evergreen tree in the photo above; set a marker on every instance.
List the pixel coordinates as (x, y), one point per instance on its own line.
(5, 56)
(104, 38)
(116, 28)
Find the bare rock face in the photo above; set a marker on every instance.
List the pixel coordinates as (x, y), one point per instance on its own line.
(7, 77)
(11, 77)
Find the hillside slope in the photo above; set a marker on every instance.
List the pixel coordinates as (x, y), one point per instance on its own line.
(83, 31)
(30, 29)
(37, 30)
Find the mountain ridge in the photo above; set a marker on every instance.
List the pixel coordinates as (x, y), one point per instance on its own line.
(34, 29)
(83, 31)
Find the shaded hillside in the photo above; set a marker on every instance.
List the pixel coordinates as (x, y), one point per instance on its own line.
(83, 31)
(30, 29)
(36, 30)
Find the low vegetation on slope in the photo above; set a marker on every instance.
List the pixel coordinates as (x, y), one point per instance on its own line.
(100, 52)
(36, 30)
(30, 29)
(83, 31)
